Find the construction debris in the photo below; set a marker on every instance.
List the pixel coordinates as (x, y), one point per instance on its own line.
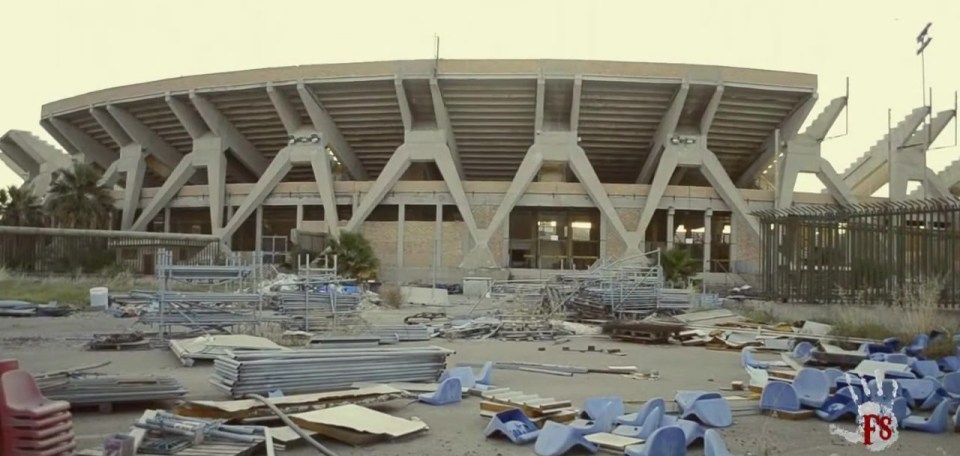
(25, 309)
(118, 341)
(538, 409)
(304, 371)
(158, 432)
(247, 409)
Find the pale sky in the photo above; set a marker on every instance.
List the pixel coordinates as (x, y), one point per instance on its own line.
(57, 49)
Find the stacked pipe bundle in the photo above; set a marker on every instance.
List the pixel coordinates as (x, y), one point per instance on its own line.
(308, 371)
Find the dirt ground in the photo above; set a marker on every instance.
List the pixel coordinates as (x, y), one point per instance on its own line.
(48, 344)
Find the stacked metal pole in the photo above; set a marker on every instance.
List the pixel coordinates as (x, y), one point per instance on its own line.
(401, 333)
(306, 371)
(111, 389)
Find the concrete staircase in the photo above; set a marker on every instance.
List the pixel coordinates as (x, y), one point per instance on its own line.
(48, 152)
(866, 167)
(821, 125)
(950, 177)
(817, 130)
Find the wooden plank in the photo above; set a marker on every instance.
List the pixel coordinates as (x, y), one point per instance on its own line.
(558, 416)
(792, 416)
(554, 405)
(612, 442)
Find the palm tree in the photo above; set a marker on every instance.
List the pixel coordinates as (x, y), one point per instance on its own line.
(355, 257)
(678, 265)
(76, 200)
(20, 207)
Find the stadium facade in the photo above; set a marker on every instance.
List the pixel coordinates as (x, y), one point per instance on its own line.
(469, 165)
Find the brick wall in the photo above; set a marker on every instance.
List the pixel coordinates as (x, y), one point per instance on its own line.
(747, 246)
(383, 239)
(451, 249)
(418, 244)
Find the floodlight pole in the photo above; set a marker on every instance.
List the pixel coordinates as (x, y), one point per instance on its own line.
(923, 40)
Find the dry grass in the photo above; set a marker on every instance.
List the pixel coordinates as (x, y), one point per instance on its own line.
(74, 291)
(391, 295)
(916, 312)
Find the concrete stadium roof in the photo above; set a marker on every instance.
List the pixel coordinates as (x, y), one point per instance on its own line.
(492, 107)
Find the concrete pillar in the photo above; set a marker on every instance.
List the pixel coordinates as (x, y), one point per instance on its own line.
(603, 236)
(258, 241)
(299, 216)
(707, 238)
(733, 243)
(401, 216)
(166, 219)
(671, 232)
(438, 237)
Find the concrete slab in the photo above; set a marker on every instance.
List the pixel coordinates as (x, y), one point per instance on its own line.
(425, 296)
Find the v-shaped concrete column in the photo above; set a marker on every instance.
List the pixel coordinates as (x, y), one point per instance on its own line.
(908, 163)
(421, 146)
(803, 155)
(312, 153)
(212, 135)
(208, 152)
(552, 147)
(696, 155)
(133, 166)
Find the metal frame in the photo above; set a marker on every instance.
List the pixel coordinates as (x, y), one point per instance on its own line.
(190, 305)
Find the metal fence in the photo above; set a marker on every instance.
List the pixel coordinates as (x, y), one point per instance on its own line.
(66, 251)
(887, 252)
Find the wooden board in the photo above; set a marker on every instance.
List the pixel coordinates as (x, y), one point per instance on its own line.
(612, 442)
(357, 425)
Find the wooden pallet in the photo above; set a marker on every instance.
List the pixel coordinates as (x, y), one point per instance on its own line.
(538, 409)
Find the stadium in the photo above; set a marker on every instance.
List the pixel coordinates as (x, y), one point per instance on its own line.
(462, 167)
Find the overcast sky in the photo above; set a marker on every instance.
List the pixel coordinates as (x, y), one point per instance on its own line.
(57, 49)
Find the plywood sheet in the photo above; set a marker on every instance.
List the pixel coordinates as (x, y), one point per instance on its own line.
(357, 425)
